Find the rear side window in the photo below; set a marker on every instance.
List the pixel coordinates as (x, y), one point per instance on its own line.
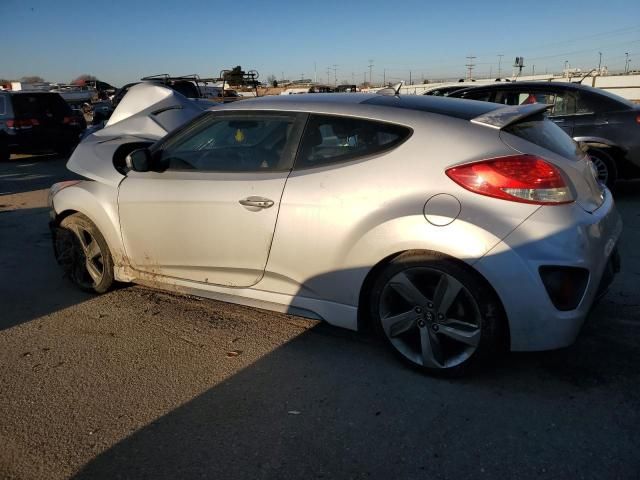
(481, 95)
(330, 139)
(588, 103)
(546, 134)
(38, 105)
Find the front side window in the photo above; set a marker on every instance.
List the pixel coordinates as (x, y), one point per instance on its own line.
(232, 143)
(330, 139)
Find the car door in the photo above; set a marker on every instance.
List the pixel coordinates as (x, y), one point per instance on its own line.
(209, 214)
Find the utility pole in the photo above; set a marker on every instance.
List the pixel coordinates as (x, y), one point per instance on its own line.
(533, 70)
(566, 66)
(315, 73)
(370, 71)
(410, 82)
(470, 65)
(500, 55)
(335, 74)
(599, 62)
(328, 71)
(384, 76)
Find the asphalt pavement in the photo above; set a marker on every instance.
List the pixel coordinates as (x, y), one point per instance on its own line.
(139, 383)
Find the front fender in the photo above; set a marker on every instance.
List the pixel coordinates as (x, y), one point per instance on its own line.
(99, 203)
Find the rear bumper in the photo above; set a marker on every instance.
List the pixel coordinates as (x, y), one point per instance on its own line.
(564, 236)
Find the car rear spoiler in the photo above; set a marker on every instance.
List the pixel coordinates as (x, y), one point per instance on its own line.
(503, 117)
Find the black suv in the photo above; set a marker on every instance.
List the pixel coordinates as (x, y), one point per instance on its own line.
(36, 121)
(607, 124)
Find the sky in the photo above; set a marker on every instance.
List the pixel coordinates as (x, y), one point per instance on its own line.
(119, 41)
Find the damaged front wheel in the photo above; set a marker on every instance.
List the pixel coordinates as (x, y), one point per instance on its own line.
(83, 253)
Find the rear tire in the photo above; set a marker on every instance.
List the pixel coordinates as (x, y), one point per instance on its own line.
(83, 253)
(605, 166)
(434, 313)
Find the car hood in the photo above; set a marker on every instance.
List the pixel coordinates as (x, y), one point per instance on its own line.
(146, 114)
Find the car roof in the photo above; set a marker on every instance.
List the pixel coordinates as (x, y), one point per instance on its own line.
(355, 103)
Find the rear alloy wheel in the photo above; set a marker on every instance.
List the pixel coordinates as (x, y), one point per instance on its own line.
(83, 253)
(605, 167)
(435, 314)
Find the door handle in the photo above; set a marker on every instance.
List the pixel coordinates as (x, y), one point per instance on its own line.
(259, 202)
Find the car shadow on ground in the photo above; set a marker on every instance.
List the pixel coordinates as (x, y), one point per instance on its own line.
(330, 404)
(32, 283)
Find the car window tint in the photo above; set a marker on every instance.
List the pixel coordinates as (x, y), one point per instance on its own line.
(565, 104)
(39, 105)
(3, 105)
(548, 135)
(229, 143)
(481, 95)
(330, 139)
(589, 103)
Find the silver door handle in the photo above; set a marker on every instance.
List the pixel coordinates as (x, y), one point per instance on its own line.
(259, 202)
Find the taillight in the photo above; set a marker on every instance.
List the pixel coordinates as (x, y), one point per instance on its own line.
(638, 119)
(70, 121)
(21, 124)
(519, 178)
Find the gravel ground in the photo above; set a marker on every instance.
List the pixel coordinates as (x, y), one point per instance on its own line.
(144, 384)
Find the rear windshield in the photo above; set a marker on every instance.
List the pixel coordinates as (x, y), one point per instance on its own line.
(547, 134)
(38, 105)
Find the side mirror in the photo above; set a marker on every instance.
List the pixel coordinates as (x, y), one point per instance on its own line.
(139, 160)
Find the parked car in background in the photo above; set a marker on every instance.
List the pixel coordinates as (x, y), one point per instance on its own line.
(455, 228)
(606, 124)
(32, 121)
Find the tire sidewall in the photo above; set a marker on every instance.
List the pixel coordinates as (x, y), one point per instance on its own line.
(85, 223)
(492, 323)
(607, 160)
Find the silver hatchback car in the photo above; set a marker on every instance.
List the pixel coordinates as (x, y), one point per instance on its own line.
(456, 228)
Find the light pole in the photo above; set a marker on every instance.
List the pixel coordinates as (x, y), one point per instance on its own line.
(566, 71)
(599, 62)
(500, 55)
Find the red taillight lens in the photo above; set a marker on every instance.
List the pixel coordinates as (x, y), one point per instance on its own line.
(18, 124)
(638, 119)
(519, 178)
(70, 121)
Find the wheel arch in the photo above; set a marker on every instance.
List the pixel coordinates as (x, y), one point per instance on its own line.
(96, 206)
(364, 322)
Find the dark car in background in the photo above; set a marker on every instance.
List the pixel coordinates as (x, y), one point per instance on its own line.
(31, 122)
(607, 125)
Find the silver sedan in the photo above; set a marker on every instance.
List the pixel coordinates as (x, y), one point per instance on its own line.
(455, 228)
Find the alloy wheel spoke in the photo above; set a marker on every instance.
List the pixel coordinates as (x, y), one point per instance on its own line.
(406, 288)
(468, 337)
(430, 349)
(395, 325)
(93, 250)
(93, 271)
(446, 292)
